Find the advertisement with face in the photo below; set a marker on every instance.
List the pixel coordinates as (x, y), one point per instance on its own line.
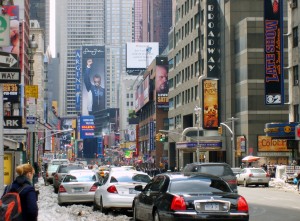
(162, 86)
(94, 78)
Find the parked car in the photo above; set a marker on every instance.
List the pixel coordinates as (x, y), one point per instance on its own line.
(78, 186)
(176, 196)
(47, 174)
(253, 176)
(222, 170)
(61, 171)
(117, 189)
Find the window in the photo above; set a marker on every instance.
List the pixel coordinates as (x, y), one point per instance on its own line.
(294, 4)
(296, 113)
(295, 75)
(295, 37)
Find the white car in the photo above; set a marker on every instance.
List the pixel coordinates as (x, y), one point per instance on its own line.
(253, 176)
(117, 189)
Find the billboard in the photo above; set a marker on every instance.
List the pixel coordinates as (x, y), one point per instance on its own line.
(161, 86)
(93, 78)
(273, 52)
(87, 127)
(142, 93)
(210, 104)
(13, 12)
(77, 80)
(213, 39)
(140, 55)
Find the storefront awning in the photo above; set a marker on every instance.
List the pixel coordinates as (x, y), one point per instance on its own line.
(11, 144)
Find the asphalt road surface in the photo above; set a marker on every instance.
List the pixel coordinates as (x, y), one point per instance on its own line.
(270, 204)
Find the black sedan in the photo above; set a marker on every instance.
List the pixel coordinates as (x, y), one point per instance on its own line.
(175, 196)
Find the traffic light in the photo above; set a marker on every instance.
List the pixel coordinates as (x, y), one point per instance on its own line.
(158, 136)
(163, 138)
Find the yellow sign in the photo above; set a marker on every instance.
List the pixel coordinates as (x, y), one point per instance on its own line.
(31, 91)
(266, 143)
(8, 168)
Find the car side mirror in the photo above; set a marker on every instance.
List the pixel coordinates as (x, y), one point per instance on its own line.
(138, 188)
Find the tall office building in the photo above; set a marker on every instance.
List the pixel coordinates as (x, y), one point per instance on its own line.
(153, 19)
(78, 22)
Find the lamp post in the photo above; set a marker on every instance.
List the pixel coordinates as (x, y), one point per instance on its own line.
(232, 131)
(198, 114)
(31, 51)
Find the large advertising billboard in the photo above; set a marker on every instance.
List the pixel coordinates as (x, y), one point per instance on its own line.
(142, 93)
(273, 51)
(93, 78)
(162, 86)
(210, 104)
(140, 55)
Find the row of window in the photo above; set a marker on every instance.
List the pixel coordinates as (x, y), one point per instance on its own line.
(185, 97)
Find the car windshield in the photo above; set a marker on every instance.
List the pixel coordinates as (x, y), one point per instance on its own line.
(199, 186)
(131, 178)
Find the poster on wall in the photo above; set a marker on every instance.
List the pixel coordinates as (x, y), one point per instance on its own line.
(210, 104)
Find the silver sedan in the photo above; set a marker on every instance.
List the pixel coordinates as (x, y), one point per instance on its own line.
(78, 186)
(117, 190)
(253, 176)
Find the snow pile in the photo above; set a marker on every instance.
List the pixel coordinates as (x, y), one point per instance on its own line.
(49, 210)
(280, 184)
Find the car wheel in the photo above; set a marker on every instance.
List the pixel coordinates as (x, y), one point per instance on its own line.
(266, 184)
(102, 209)
(134, 214)
(156, 216)
(95, 207)
(245, 183)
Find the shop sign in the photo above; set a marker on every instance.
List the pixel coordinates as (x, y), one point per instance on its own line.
(268, 144)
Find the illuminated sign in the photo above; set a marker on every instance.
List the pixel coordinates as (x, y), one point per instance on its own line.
(268, 144)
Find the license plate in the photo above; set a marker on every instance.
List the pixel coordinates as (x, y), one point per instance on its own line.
(132, 191)
(78, 190)
(211, 206)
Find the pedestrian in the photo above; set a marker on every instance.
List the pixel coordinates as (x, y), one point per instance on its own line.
(28, 195)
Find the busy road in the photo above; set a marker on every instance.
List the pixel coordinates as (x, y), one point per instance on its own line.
(271, 203)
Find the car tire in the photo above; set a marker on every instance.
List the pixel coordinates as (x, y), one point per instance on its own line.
(266, 184)
(134, 214)
(156, 216)
(245, 183)
(95, 207)
(102, 209)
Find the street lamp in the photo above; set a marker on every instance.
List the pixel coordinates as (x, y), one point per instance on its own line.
(232, 131)
(198, 114)
(31, 51)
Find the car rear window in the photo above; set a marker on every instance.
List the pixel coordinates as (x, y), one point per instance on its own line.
(217, 170)
(130, 178)
(67, 168)
(198, 186)
(80, 178)
(257, 171)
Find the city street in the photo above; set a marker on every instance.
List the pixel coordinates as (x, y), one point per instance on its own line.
(271, 203)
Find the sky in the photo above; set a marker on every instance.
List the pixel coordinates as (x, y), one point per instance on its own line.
(52, 28)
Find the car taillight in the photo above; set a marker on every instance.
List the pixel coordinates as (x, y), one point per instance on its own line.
(268, 175)
(178, 203)
(251, 175)
(47, 174)
(93, 188)
(232, 182)
(242, 205)
(112, 189)
(62, 189)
